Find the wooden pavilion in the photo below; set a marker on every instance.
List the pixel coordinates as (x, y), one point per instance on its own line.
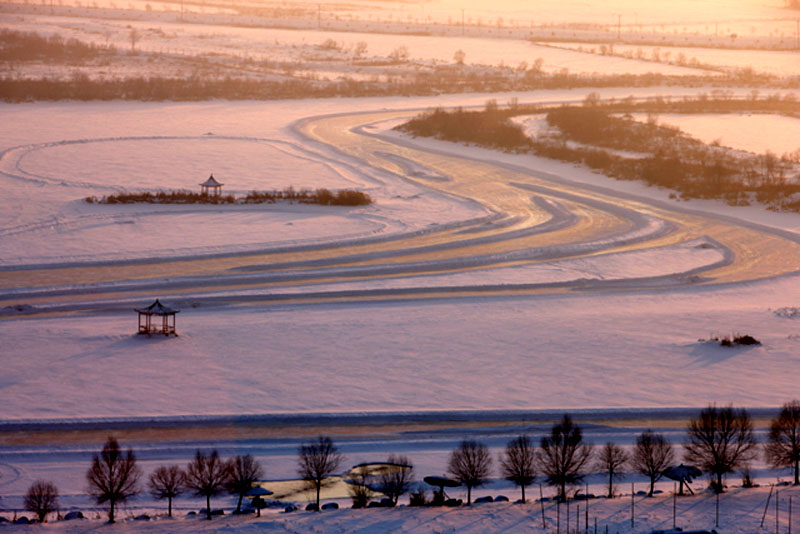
(211, 187)
(164, 322)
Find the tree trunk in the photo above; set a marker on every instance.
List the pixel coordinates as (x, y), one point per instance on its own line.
(239, 504)
(523, 494)
(796, 472)
(719, 483)
(652, 486)
(169, 513)
(319, 486)
(469, 494)
(610, 485)
(111, 511)
(562, 496)
(208, 506)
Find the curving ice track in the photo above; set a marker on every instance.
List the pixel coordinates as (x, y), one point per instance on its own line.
(541, 233)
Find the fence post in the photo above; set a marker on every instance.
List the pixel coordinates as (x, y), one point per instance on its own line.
(674, 503)
(633, 504)
(541, 502)
(586, 511)
(766, 506)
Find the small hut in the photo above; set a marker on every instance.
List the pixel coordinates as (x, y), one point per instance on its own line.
(164, 322)
(211, 187)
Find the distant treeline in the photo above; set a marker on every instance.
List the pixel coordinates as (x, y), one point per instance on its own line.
(29, 46)
(594, 133)
(324, 197)
(444, 80)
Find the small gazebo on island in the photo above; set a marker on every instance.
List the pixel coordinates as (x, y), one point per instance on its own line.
(164, 322)
(211, 187)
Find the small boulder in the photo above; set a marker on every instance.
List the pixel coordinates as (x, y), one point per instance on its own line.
(142, 517)
(73, 515)
(483, 500)
(22, 520)
(501, 498)
(289, 509)
(330, 506)
(312, 507)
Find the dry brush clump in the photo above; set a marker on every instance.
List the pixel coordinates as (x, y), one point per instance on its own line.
(322, 196)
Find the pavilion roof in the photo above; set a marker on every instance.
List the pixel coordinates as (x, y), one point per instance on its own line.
(211, 182)
(157, 308)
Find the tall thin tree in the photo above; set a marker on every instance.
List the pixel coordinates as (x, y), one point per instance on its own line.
(611, 460)
(316, 461)
(651, 455)
(518, 464)
(206, 475)
(245, 471)
(563, 456)
(783, 443)
(114, 476)
(721, 440)
(167, 482)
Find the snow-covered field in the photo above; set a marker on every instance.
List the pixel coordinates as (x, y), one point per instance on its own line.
(740, 131)
(575, 292)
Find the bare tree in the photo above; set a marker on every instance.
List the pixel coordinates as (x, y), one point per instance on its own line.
(41, 499)
(317, 460)
(167, 482)
(470, 464)
(518, 464)
(783, 444)
(245, 471)
(114, 476)
(652, 454)
(359, 487)
(134, 37)
(563, 455)
(720, 441)
(611, 461)
(459, 57)
(207, 475)
(396, 481)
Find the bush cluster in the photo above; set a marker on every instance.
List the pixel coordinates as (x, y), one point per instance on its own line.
(324, 197)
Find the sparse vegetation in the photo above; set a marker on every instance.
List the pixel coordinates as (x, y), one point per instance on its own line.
(324, 197)
(599, 135)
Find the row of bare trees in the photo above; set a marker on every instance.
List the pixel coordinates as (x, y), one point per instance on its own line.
(114, 477)
(720, 441)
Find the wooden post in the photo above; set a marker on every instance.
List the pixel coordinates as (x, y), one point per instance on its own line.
(674, 504)
(766, 506)
(586, 511)
(558, 516)
(633, 505)
(567, 515)
(541, 502)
